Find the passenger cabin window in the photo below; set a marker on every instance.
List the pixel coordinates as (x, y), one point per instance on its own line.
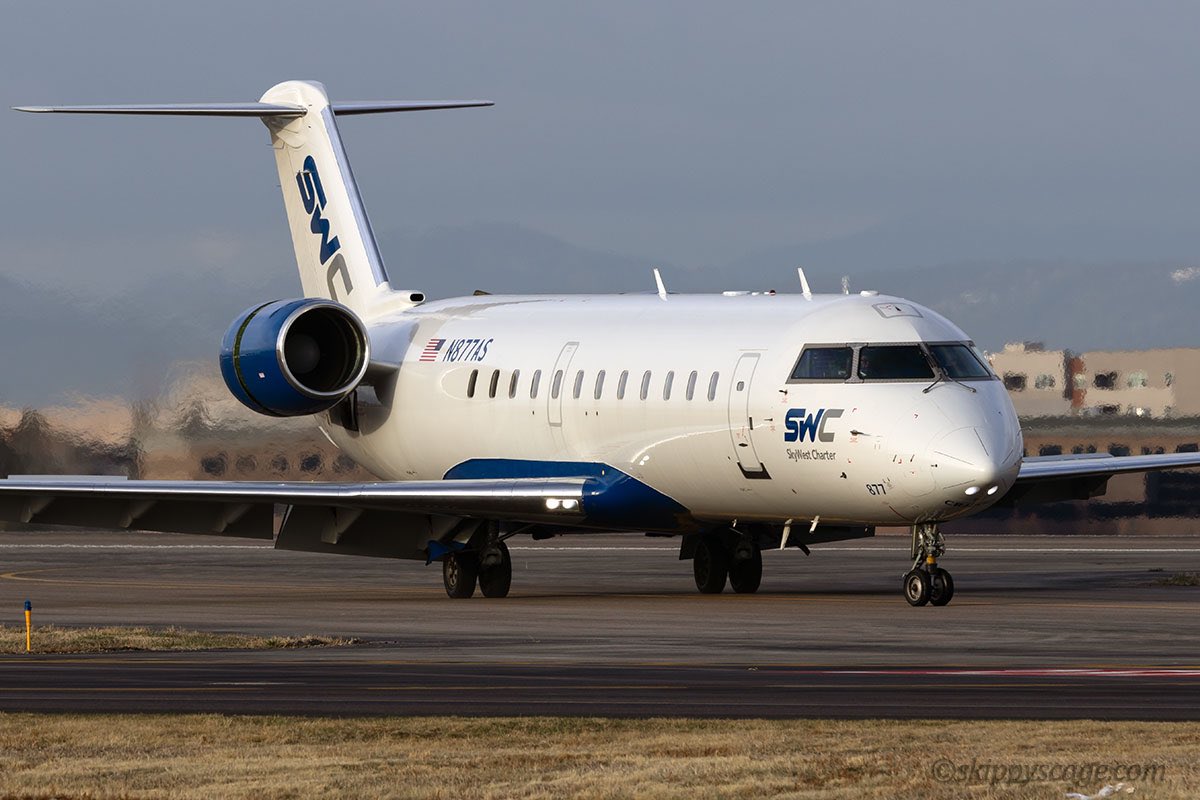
(823, 364)
(556, 385)
(959, 362)
(621, 383)
(471, 382)
(646, 385)
(512, 383)
(495, 384)
(893, 362)
(667, 385)
(691, 384)
(533, 384)
(712, 385)
(578, 385)
(599, 384)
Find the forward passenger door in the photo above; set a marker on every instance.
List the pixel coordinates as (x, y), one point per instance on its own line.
(741, 420)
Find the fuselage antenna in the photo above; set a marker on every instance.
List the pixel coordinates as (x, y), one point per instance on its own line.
(804, 287)
(662, 287)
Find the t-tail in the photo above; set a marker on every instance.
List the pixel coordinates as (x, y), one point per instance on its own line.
(336, 251)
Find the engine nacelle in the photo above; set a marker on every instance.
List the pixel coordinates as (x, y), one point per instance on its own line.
(294, 357)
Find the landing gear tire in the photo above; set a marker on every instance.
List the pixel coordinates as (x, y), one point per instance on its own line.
(745, 574)
(495, 571)
(916, 587)
(941, 587)
(926, 582)
(710, 565)
(460, 571)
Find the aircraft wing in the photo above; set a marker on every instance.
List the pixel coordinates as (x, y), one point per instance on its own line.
(1047, 479)
(397, 519)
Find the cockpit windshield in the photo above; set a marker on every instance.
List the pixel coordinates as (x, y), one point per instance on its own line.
(893, 363)
(959, 361)
(824, 364)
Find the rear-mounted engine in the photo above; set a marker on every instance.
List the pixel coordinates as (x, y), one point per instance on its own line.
(294, 357)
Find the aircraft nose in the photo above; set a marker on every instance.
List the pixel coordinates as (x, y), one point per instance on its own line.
(978, 462)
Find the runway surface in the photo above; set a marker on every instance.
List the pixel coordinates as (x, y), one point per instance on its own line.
(1040, 627)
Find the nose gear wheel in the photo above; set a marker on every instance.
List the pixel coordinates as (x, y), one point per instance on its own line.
(926, 582)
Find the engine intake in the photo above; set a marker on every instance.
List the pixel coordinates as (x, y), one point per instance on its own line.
(294, 357)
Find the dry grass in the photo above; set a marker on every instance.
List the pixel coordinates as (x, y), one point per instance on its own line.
(51, 639)
(1180, 579)
(276, 757)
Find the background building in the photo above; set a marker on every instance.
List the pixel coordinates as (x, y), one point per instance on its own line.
(1162, 383)
(1040, 381)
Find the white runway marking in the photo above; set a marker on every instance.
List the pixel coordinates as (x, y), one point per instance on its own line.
(820, 549)
(952, 549)
(1048, 672)
(611, 548)
(60, 546)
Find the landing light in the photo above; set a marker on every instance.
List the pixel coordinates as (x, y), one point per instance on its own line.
(972, 491)
(553, 504)
(993, 490)
(570, 505)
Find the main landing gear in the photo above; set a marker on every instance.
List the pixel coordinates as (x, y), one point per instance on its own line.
(489, 567)
(727, 555)
(926, 582)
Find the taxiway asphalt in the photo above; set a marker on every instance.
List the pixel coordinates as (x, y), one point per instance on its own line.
(1040, 627)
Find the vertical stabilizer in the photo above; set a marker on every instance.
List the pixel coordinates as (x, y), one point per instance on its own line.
(335, 248)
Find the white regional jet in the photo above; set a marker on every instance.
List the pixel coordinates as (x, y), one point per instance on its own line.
(740, 422)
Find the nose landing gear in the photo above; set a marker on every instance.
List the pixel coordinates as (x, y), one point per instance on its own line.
(926, 582)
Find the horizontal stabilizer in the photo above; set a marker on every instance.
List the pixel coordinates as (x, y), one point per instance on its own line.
(256, 109)
(386, 106)
(180, 109)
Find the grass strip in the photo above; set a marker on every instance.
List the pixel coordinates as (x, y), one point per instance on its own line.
(1180, 579)
(53, 639)
(202, 756)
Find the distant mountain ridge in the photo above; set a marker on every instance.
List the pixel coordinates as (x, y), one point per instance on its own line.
(53, 342)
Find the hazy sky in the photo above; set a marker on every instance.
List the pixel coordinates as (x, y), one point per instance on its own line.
(694, 133)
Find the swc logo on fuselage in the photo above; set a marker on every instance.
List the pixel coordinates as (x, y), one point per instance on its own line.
(312, 195)
(799, 424)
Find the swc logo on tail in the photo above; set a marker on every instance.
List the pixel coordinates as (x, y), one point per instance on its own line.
(312, 195)
(800, 425)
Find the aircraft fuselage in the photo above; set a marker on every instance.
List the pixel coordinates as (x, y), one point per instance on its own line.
(734, 435)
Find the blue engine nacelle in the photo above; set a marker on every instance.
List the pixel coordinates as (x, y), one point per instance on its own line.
(294, 357)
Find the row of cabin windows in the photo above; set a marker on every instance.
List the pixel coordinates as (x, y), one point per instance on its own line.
(556, 384)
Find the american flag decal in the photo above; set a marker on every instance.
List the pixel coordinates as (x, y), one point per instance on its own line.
(430, 353)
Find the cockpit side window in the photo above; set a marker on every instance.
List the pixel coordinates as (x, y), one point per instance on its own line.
(824, 363)
(893, 363)
(959, 361)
